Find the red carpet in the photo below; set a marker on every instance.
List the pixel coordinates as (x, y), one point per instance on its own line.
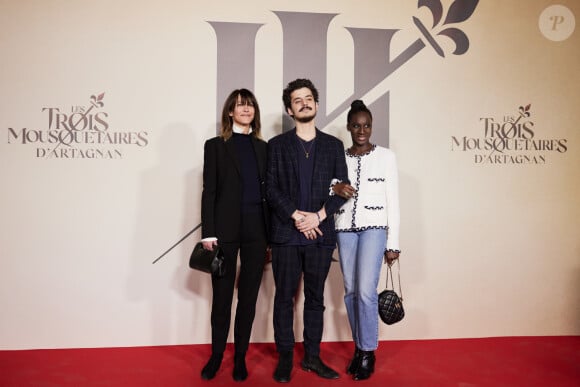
(508, 361)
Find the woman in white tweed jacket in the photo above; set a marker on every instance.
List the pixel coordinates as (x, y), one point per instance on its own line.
(367, 228)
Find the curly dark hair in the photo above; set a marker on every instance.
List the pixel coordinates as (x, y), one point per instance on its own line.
(295, 85)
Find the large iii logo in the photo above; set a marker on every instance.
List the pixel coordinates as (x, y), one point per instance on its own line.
(79, 133)
(305, 55)
(510, 140)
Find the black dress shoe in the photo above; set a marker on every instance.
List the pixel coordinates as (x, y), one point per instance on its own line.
(366, 365)
(284, 368)
(313, 363)
(240, 371)
(354, 363)
(211, 368)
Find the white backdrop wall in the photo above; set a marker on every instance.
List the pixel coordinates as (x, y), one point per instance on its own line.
(488, 236)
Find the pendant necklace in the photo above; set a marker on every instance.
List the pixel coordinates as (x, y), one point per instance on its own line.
(306, 153)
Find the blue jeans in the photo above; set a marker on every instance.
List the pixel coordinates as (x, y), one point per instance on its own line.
(361, 257)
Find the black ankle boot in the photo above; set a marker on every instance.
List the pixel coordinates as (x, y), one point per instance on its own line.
(213, 365)
(240, 371)
(284, 367)
(352, 366)
(366, 365)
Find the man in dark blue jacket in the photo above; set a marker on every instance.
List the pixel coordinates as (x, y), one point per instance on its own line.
(302, 163)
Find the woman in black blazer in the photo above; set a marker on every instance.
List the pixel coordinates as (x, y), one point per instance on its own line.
(234, 215)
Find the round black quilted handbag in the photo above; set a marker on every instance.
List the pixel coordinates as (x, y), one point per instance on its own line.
(390, 304)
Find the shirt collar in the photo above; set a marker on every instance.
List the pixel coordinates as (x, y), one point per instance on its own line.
(237, 129)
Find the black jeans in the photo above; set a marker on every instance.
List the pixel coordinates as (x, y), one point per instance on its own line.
(252, 248)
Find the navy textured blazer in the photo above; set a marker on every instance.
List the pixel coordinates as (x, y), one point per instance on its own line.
(283, 184)
(222, 188)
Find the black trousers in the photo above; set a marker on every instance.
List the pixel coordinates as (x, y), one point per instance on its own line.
(288, 264)
(252, 249)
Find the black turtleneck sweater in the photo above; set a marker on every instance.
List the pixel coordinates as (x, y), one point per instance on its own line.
(251, 197)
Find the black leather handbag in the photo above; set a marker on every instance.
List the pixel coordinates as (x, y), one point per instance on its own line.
(208, 261)
(390, 304)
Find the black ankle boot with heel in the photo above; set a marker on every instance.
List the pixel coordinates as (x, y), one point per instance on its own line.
(352, 366)
(240, 371)
(213, 365)
(366, 365)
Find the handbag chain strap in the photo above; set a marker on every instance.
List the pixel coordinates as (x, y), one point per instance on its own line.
(389, 271)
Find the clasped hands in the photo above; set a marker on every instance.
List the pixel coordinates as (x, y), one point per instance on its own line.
(307, 223)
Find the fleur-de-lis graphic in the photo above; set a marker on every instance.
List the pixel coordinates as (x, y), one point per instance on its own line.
(98, 100)
(525, 111)
(459, 11)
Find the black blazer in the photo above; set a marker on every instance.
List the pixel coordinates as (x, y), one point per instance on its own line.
(283, 186)
(222, 188)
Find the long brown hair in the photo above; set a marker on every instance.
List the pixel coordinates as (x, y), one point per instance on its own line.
(247, 97)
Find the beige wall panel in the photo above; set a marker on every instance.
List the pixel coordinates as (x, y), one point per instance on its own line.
(489, 249)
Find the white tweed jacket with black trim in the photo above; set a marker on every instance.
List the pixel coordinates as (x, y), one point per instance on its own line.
(374, 175)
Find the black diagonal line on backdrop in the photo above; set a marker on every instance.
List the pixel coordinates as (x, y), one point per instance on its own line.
(178, 242)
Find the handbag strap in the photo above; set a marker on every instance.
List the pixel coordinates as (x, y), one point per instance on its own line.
(389, 271)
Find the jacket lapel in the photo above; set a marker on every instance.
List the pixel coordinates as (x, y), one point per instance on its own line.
(232, 153)
(260, 156)
(292, 152)
(318, 154)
